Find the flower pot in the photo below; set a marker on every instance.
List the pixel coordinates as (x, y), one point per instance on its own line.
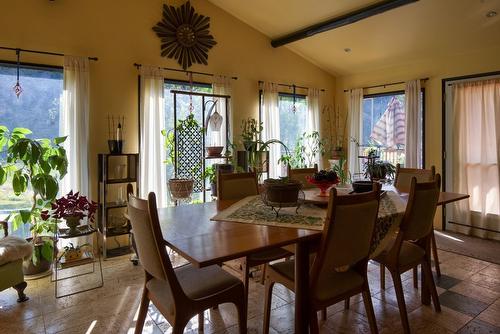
(43, 265)
(280, 191)
(72, 222)
(214, 151)
(180, 188)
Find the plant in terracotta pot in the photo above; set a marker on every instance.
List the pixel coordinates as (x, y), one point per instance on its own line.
(282, 191)
(32, 168)
(379, 170)
(72, 207)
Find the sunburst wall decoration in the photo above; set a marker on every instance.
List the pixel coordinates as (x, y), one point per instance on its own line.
(184, 35)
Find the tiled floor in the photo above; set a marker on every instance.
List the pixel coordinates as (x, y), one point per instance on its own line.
(469, 292)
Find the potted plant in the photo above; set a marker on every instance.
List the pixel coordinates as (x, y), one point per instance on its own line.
(210, 175)
(250, 133)
(72, 207)
(33, 166)
(341, 170)
(307, 147)
(180, 188)
(72, 253)
(379, 170)
(282, 191)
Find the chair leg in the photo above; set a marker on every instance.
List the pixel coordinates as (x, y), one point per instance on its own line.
(263, 274)
(143, 311)
(435, 254)
(367, 300)
(201, 322)
(313, 322)
(268, 291)
(429, 280)
(415, 277)
(382, 276)
(20, 292)
(398, 287)
(347, 303)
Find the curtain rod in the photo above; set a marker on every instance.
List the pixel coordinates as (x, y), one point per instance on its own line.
(187, 72)
(40, 52)
(387, 84)
(290, 86)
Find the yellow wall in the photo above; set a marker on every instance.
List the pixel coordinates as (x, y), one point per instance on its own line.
(435, 69)
(119, 33)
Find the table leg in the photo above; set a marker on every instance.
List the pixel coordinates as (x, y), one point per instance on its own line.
(302, 287)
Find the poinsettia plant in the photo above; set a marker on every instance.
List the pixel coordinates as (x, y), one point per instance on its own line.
(72, 205)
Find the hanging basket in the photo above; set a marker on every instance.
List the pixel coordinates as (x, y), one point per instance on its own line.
(180, 188)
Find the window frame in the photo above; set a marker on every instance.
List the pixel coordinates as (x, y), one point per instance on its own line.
(398, 92)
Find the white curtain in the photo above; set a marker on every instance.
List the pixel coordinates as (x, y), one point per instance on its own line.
(413, 125)
(221, 85)
(476, 152)
(74, 123)
(271, 123)
(355, 110)
(312, 116)
(152, 170)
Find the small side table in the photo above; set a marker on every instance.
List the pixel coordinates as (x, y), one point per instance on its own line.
(87, 258)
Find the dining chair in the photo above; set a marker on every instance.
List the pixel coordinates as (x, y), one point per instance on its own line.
(339, 270)
(300, 174)
(402, 182)
(231, 188)
(183, 292)
(411, 246)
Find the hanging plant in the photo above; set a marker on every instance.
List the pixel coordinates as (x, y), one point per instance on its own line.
(184, 35)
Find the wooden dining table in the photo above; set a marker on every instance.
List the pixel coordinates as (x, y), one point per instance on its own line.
(189, 230)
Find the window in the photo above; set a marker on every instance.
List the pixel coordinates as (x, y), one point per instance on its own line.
(37, 109)
(383, 126)
(292, 122)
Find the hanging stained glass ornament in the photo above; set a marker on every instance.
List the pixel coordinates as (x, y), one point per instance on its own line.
(17, 87)
(294, 107)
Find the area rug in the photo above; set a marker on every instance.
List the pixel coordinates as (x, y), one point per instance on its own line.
(482, 249)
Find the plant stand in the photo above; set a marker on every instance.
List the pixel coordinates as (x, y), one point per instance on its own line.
(88, 258)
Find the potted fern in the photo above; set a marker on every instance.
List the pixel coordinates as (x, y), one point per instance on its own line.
(33, 166)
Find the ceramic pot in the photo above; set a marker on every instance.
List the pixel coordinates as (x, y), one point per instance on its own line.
(278, 191)
(180, 188)
(73, 223)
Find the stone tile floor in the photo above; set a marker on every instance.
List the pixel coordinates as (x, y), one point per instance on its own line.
(469, 292)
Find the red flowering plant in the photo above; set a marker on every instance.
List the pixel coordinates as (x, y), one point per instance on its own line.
(72, 205)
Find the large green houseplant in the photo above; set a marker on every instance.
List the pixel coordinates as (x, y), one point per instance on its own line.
(35, 166)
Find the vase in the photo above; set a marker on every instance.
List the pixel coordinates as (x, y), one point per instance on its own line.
(72, 222)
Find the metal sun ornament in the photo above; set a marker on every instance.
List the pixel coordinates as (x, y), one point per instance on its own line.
(17, 87)
(184, 35)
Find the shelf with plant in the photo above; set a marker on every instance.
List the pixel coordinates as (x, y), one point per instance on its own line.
(33, 166)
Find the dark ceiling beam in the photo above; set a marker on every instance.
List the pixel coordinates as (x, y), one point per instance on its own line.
(340, 21)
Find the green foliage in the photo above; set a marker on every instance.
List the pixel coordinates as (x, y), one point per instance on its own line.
(250, 131)
(307, 147)
(341, 170)
(38, 164)
(209, 174)
(379, 170)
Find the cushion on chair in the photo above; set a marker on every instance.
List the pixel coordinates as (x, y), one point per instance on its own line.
(409, 253)
(11, 274)
(330, 284)
(196, 283)
(13, 248)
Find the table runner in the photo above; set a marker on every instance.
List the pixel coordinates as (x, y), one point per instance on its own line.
(251, 210)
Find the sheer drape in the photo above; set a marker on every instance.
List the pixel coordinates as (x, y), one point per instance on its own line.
(413, 125)
(221, 85)
(312, 117)
(152, 173)
(271, 123)
(74, 123)
(355, 109)
(476, 133)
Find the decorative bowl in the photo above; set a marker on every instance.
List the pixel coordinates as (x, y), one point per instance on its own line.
(323, 185)
(214, 151)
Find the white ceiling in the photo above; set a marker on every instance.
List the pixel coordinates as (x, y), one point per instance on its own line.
(425, 29)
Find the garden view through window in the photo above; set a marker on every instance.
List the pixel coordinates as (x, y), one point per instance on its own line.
(383, 126)
(292, 122)
(37, 108)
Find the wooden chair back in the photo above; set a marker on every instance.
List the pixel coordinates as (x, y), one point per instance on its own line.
(421, 208)
(402, 180)
(300, 174)
(348, 232)
(236, 186)
(150, 245)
